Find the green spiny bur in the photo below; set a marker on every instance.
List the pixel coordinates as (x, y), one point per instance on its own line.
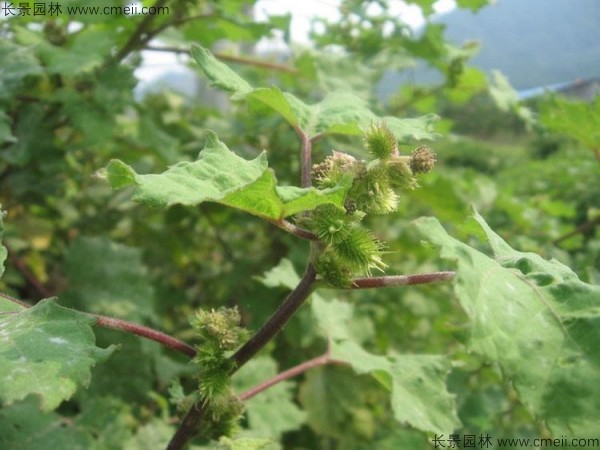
(220, 333)
(380, 141)
(348, 249)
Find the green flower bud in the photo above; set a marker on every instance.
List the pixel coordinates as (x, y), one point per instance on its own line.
(380, 141)
(422, 160)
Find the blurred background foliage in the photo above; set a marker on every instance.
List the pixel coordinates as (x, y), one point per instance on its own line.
(68, 105)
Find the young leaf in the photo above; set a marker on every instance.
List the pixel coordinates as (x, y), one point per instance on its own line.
(46, 350)
(219, 175)
(417, 383)
(536, 320)
(338, 113)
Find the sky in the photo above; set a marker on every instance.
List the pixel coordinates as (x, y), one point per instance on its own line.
(302, 13)
(156, 63)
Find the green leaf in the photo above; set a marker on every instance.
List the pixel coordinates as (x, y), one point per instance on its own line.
(578, 120)
(46, 350)
(338, 113)
(417, 383)
(116, 283)
(219, 175)
(24, 427)
(473, 5)
(536, 320)
(283, 274)
(17, 64)
(5, 132)
(219, 74)
(88, 51)
(272, 412)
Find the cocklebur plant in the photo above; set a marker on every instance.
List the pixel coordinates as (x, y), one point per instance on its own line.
(347, 249)
(518, 308)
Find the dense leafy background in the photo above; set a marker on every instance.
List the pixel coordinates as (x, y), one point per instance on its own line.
(510, 349)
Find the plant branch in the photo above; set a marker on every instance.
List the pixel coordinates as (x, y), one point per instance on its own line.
(191, 422)
(128, 327)
(230, 58)
(278, 320)
(305, 157)
(584, 227)
(137, 36)
(15, 300)
(290, 373)
(294, 229)
(145, 332)
(29, 276)
(401, 280)
(173, 23)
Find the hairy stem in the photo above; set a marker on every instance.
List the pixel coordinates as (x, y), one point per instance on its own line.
(230, 58)
(295, 230)
(137, 37)
(29, 276)
(191, 422)
(128, 327)
(305, 156)
(148, 333)
(401, 280)
(277, 321)
(583, 228)
(290, 373)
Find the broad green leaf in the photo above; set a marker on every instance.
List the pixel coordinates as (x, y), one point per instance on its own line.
(46, 350)
(536, 320)
(88, 51)
(17, 64)
(273, 411)
(24, 427)
(108, 278)
(339, 404)
(338, 113)
(219, 175)
(417, 383)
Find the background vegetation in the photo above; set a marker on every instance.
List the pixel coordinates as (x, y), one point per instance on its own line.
(67, 108)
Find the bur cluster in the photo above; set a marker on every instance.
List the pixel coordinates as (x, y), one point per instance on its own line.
(347, 248)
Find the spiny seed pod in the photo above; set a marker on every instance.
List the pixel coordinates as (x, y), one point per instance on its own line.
(380, 141)
(330, 223)
(361, 251)
(372, 192)
(333, 271)
(422, 160)
(400, 175)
